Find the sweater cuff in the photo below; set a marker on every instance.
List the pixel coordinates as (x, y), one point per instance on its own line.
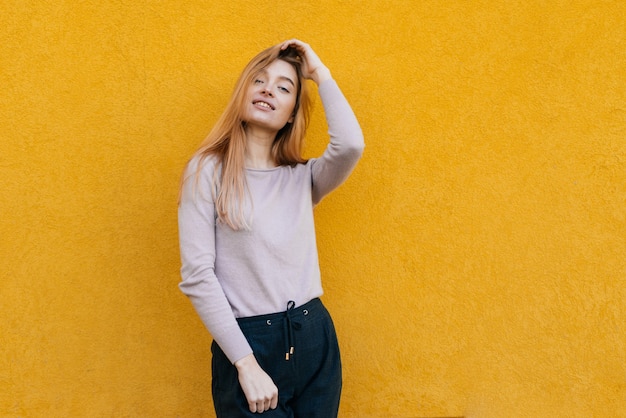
(235, 346)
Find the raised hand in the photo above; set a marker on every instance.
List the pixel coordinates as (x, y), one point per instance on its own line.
(312, 66)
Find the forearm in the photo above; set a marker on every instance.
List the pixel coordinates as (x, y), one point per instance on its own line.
(217, 316)
(321, 74)
(344, 130)
(346, 142)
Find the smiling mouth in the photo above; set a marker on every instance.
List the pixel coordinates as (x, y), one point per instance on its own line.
(263, 104)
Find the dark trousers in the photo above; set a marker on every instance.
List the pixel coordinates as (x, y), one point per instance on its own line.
(298, 349)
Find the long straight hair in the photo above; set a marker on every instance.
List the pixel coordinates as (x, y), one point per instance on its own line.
(227, 140)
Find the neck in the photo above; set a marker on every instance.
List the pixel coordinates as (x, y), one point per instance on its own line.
(258, 147)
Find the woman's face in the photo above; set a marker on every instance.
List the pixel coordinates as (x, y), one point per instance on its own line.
(271, 98)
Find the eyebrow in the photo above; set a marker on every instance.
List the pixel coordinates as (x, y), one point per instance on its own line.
(287, 79)
(280, 77)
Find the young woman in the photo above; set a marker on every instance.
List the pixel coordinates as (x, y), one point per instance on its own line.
(247, 238)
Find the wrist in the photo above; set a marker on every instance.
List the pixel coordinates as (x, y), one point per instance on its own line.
(321, 74)
(245, 362)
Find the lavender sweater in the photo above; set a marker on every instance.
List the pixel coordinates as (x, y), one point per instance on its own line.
(232, 274)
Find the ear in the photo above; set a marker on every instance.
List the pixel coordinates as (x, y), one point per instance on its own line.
(291, 119)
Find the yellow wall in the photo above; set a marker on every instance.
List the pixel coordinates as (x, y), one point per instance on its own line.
(475, 263)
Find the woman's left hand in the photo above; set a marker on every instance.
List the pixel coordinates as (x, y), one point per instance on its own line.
(312, 66)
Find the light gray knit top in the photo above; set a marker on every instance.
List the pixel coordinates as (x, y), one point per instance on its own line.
(231, 274)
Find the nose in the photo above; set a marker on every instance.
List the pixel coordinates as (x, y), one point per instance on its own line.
(267, 90)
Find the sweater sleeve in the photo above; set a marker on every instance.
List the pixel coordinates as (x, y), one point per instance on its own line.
(346, 142)
(196, 225)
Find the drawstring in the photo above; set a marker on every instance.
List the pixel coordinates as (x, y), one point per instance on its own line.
(290, 325)
(291, 321)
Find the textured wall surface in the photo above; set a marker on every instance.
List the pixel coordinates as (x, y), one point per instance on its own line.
(475, 263)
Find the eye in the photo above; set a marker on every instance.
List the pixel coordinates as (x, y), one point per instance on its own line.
(283, 89)
(257, 81)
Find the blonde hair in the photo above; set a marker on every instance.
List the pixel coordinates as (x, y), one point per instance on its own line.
(227, 141)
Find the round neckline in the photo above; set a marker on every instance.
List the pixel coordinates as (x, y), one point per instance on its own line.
(262, 169)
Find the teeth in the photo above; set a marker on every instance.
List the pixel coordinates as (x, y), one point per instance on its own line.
(266, 105)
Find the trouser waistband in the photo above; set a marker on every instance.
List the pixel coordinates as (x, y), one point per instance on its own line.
(292, 316)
